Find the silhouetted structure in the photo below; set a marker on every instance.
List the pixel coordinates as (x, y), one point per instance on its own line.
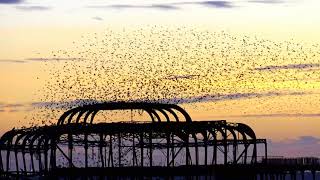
(171, 143)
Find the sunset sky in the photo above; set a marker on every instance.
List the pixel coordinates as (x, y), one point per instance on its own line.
(252, 61)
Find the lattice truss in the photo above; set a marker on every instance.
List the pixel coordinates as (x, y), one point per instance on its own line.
(170, 139)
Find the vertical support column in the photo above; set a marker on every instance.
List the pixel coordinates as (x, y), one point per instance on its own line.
(187, 150)
(134, 156)
(215, 147)
(86, 150)
(100, 148)
(119, 148)
(53, 162)
(17, 164)
(225, 147)
(245, 153)
(105, 150)
(172, 150)
(40, 160)
(24, 161)
(70, 147)
(196, 149)
(254, 160)
(32, 161)
(302, 174)
(110, 160)
(168, 149)
(8, 157)
(1, 165)
(45, 159)
(141, 149)
(150, 148)
(205, 136)
(313, 174)
(266, 151)
(235, 152)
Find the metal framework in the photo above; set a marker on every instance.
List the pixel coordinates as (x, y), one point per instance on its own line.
(170, 139)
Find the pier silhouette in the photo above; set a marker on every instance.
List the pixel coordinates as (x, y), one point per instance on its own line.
(170, 145)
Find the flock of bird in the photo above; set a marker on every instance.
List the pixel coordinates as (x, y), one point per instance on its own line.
(173, 65)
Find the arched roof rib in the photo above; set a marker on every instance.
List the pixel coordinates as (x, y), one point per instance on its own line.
(150, 108)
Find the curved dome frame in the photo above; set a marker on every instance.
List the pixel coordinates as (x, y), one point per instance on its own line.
(163, 142)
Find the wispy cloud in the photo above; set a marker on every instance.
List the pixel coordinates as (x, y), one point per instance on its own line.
(32, 8)
(97, 18)
(54, 59)
(130, 6)
(266, 1)
(11, 105)
(275, 115)
(226, 97)
(214, 4)
(288, 66)
(167, 6)
(26, 60)
(303, 145)
(12, 61)
(177, 5)
(218, 4)
(8, 107)
(10, 1)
